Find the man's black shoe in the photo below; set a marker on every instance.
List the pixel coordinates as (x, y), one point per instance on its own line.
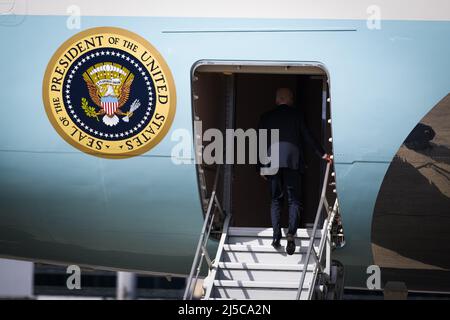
(276, 244)
(290, 247)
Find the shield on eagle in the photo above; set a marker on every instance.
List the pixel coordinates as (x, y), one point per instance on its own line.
(110, 105)
(109, 87)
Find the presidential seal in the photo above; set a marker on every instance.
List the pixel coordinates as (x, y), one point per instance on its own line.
(109, 93)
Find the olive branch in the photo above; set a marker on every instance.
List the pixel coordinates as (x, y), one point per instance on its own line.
(88, 110)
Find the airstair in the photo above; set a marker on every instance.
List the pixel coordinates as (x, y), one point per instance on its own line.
(246, 266)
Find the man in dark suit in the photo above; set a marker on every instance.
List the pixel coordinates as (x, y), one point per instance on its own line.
(293, 133)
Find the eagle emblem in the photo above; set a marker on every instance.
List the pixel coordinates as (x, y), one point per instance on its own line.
(109, 86)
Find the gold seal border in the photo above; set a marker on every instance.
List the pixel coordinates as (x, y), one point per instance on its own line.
(152, 50)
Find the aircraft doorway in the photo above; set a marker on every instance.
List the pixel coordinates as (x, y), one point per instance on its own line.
(235, 96)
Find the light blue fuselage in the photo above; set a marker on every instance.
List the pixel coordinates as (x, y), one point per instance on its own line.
(143, 213)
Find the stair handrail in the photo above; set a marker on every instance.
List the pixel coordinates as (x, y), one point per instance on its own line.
(322, 203)
(201, 251)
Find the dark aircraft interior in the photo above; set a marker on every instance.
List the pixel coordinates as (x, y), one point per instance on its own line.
(235, 97)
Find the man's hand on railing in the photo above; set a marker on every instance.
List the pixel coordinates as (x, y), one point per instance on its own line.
(327, 157)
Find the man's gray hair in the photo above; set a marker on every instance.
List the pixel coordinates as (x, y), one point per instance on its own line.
(284, 96)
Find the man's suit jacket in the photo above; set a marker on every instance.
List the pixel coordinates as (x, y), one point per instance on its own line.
(293, 134)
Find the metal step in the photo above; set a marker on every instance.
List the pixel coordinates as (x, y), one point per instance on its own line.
(268, 232)
(257, 290)
(260, 266)
(262, 272)
(264, 248)
(267, 241)
(262, 254)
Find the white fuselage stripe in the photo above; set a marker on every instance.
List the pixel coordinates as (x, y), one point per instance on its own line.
(284, 9)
